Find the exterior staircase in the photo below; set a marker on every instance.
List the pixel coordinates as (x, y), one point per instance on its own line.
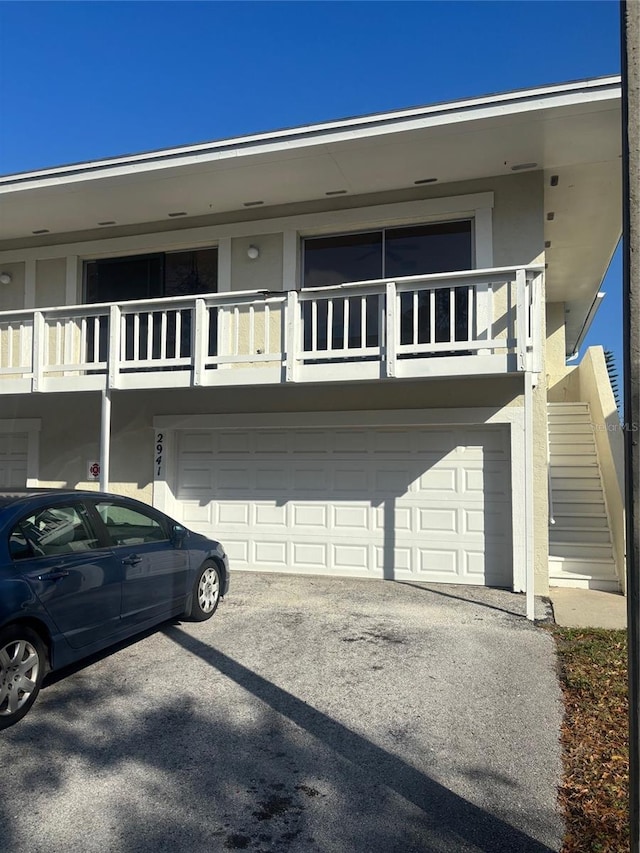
(580, 548)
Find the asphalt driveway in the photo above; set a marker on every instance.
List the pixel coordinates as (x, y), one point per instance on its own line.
(310, 714)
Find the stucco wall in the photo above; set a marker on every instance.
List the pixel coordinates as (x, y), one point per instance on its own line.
(262, 273)
(517, 233)
(555, 359)
(12, 295)
(51, 282)
(67, 443)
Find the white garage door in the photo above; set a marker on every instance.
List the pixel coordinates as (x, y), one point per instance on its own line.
(13, 459)
(422, 503)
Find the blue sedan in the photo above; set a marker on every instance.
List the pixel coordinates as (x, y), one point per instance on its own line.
(80, 571)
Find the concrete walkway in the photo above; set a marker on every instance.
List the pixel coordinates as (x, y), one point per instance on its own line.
(588, 608)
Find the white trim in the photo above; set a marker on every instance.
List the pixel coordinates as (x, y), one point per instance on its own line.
(465, 111)
(290, 259)
(483, 230)
(32, 427)
(308, 223)
(528, 496)
(511, 416)
(224, 265)
(71, 290)
(105, 439)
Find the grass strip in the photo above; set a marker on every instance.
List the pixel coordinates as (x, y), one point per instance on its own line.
(595, 788)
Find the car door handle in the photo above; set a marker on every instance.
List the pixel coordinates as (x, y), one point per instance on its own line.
(132, 560)
(54, 575)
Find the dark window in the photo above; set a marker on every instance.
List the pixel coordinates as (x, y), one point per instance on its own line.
(52, 531)
(127, 526)
(348, 257)
(424, 249)
(389, 253)
(152, 276)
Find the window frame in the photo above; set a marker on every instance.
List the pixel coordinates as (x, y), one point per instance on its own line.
(142, 255)
(382, 229)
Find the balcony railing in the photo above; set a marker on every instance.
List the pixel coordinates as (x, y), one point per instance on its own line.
(463, 323)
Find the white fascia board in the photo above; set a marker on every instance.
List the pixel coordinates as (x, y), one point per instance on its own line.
(287, 141)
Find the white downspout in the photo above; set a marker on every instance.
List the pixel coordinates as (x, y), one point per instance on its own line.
(105, 439)
(528, 493)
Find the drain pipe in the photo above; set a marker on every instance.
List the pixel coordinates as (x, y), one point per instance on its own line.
(105, 439)
(528, 494)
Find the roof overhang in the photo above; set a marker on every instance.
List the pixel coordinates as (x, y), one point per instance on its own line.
(570, 131)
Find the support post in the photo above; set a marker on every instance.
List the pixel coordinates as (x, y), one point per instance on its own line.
(105, 439)
(630, 34)
(528, 495)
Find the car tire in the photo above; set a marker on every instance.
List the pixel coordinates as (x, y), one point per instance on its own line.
(23, 662)
(206, 592)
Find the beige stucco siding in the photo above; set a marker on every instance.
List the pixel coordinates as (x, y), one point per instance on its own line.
(261, 273)
(66, 444)
(12, 294)
(50, 282)
(517, 233)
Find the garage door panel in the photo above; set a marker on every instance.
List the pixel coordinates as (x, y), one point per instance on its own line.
(233, 442)
(353, 518)
(310, 555)
(402, 517)
(345, 557)
(270, 515)
(311, 515)
(233, 513)
(354, 442)
(196, 477)
(197, 442)
(443, 561)
(237, 551)
(275, 442)
(310, 479)
(271, 553)
(313, 442)
(438, 521)
(403, 560)
(13, 459)
(441, 482)
(432, 505)
(351, 480)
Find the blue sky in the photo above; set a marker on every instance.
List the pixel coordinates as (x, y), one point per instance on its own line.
(80, 80)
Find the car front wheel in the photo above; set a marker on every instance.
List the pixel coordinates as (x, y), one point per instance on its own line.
(22, 667)
(206, 592)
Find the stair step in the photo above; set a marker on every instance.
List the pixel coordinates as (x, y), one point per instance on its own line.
(584, 583)
(575, 521)
(591, 551)
(570, 471)
(577, 484)
(577, 535)
(602, 569)
(557, 407)
(576, 496)
(588, 511)
(585, 460)
(573, 428)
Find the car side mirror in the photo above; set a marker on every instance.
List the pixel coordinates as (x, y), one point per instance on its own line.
(178, 535)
